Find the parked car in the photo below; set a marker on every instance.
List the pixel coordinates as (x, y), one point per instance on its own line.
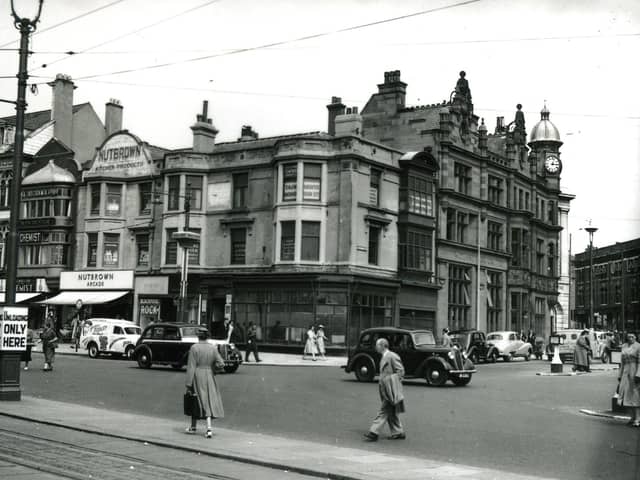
(421, 357)
(109, 335)
(474, 344)
(510, 345)
(169, 344)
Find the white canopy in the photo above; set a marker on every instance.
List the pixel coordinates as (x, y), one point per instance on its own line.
(88, 297)
(20, 297)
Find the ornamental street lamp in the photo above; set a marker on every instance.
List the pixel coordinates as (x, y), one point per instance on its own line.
(591, 231)
(25, 18)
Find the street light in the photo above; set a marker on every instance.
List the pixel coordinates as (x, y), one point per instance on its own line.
(25, 19)
(591, 231)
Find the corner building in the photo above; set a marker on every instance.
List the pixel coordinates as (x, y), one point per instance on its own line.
(496, 226)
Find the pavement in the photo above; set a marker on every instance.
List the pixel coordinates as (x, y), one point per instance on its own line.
(283, 454)
(267, 358)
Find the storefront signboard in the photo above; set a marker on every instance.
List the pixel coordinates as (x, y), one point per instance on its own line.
(152, 285)
(150, 307)
(97, 280)
(122, 155)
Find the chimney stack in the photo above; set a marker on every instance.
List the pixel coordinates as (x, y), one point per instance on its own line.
(393, 89)
(349, 123)
(62, 108)
(204, 133)
(112, 116)
(336, 107)
(247, 134)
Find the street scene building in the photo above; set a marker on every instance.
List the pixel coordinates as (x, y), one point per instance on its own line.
(607, 285)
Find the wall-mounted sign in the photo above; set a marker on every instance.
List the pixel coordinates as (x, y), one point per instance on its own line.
(13, 328)
(122, 155)
(30, 237)
(219, 196)
(150, 307)
(27, 285)
(97, 280)
(41, 192)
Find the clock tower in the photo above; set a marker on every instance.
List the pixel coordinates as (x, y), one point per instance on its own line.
(545, 146)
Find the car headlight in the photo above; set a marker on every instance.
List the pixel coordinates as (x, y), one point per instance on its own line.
(232, 346)
(452, 355)
(464, 354)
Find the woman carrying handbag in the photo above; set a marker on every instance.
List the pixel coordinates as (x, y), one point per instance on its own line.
(204, 360)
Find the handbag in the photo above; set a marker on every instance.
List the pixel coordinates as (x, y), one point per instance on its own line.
(192, 406)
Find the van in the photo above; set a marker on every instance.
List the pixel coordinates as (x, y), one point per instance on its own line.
(109, 336)
(565, 349)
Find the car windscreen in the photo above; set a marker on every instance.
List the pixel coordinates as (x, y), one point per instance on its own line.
(132, 330)
(424, 338)
(494, 336)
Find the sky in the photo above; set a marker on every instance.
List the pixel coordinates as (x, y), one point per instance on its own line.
(581, 61)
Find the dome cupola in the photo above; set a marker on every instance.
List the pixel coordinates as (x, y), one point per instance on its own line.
(50, 173)
(545, 130)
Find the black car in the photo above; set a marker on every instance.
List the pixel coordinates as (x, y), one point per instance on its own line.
(474, 344)
(169, 344)
(420, 355)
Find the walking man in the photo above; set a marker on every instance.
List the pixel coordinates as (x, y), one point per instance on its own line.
(391, 395)
(77, 323)
(252, 342)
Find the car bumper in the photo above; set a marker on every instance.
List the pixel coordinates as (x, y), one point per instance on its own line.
(463, 371)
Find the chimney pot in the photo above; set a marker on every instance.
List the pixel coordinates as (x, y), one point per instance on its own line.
(335, 108)
(62, 108)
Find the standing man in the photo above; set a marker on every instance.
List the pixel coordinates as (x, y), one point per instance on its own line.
(77, 324)
(252, 342)
(391, 394)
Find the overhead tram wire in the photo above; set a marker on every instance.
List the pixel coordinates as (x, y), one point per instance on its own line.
(128, 34)
(68, 20)
(284, 42)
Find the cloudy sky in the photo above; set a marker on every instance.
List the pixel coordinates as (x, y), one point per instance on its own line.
(577, 55)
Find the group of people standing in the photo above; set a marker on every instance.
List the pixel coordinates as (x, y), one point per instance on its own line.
(315, 344)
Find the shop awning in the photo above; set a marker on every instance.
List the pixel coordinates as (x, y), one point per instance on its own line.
(21, 297)
(88, 297)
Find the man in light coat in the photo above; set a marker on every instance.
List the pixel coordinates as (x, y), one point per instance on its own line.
(391, 395)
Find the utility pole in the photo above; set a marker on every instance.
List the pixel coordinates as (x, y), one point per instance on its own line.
(591, 231)
(185, 239)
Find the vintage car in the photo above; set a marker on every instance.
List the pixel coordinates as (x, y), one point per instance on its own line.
(474, 344)
(109, 335)
(510, 345)
(169, 344)
(420, 355)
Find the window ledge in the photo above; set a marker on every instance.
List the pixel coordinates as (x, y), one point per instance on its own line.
(377, 220)
(236, 220)
(377, 209)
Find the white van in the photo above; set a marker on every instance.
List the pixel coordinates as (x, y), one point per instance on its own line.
(110, 335)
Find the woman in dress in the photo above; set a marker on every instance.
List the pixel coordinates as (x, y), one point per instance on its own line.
(320, 339)
(204, 359)
(581, 353)
(629, 378)
(49, 344)
(311, 347)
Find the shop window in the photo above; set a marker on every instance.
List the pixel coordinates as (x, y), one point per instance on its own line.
(287, 241)
(289, 182)
(312, 181)
(420, 196)
(145, 194)
(462, 175)
(173, 192)
(111, 250)
(92, 250)
(171, 247)
(374, 187)
(459, 298)
(194, 187)
(95, 198)
(310, 246)
(240, 189)
(374, 244)
(142, 243)
(238, 246)
(194, 251)
(114, 200)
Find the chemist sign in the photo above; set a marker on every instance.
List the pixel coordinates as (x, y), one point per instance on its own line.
(121, 155)
(13, 328)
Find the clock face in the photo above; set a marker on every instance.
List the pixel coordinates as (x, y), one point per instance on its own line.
(552, 164)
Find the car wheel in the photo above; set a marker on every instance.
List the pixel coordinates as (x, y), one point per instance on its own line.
(231, 368)
(144, 359)
(128, 353)
(436, 375)
(528, 356)
(474, 358)
(93, 351)
(364, 370)
(177, 366)
(460, 382)
(493, 358)
(604, 358)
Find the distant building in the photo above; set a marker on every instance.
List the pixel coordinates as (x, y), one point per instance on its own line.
(616, 287)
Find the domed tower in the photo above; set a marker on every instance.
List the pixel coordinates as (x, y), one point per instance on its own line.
(545, 146)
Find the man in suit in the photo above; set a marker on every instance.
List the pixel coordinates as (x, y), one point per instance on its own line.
(391, 395)
(252, 342)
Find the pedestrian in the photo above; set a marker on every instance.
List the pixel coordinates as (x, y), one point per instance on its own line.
(77, 324)
(26, 355)
(229, 330)
(608, 347)
(446, 339)
(629, 378)
(320, 339)
(581, 353)
(391, 394)
(49, 345)
(204, 360)
(252, 342)
(311, 346)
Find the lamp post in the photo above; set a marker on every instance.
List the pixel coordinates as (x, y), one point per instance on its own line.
(591, 231)
(481, 217)
(10, 360)
(185, 239)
